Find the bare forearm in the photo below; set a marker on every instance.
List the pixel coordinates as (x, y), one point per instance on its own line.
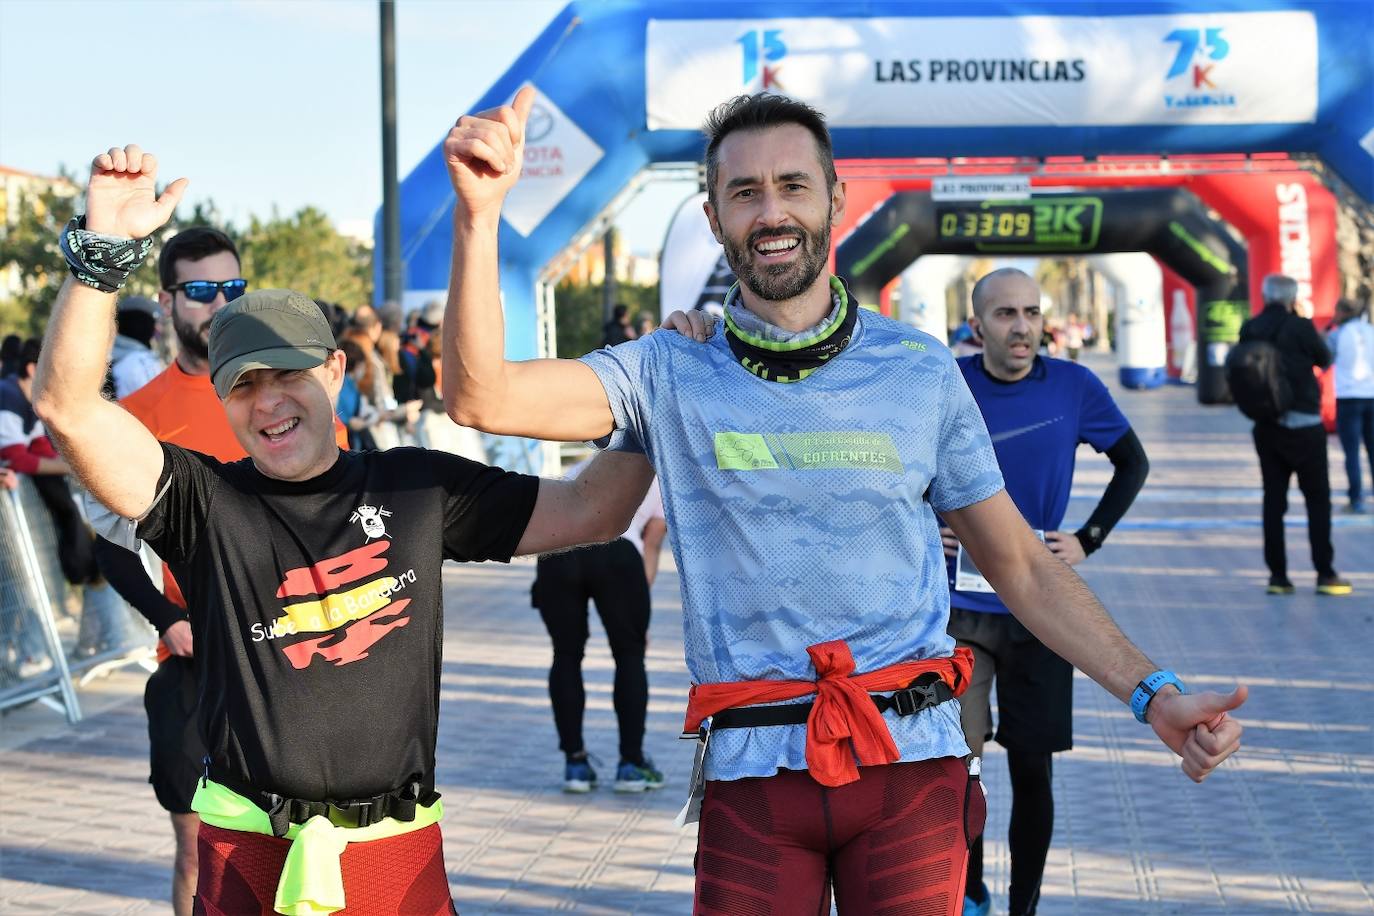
(52, 466)
(80, 334)
(474, 334)
(1046, 595)
(613, 486)
(81, 423)
(1063, 613)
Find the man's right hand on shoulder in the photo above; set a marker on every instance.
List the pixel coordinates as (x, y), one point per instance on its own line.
(484, 152)
(695, 324)
(121, 198)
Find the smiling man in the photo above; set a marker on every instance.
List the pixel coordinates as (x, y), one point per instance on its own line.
(311, 574)
(803, 454)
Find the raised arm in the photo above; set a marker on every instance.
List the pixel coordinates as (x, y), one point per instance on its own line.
(113, 455)
(1063, 613)
(544, 398)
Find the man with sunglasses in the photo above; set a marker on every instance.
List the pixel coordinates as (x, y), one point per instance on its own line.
(198, 271)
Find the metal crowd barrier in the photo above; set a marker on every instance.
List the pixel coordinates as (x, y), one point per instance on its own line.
(44, 645)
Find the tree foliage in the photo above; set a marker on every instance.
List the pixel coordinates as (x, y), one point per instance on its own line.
(303, 252)
(578, 313)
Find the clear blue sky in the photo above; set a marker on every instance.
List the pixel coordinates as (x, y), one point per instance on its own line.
(261, 103)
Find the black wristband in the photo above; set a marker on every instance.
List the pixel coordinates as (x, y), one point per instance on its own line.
(101, 261)
(1087, 540)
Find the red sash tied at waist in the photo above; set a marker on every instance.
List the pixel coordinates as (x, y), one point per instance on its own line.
(843, 714)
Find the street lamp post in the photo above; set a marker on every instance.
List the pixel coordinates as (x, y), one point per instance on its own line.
(391, 192)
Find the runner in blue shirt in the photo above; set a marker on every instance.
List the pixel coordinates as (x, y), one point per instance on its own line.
(1038, 410)
(803, 453)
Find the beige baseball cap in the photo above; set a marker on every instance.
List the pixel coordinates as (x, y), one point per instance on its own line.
(267, 329)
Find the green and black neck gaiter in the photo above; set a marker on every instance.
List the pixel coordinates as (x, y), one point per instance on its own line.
(793, 359)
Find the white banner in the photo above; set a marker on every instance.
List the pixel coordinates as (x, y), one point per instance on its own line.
(974, 187)
(1204, 68)
(692, 273)
(558, 154)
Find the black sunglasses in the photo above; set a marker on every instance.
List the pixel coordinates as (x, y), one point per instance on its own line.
(205, 291)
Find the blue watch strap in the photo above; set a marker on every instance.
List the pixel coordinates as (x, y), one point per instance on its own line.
(1145, 691)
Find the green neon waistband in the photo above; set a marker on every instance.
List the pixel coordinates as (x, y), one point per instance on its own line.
(311, 882)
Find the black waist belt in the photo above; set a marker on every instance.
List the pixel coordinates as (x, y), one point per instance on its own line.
(358, 812)
(926, 691)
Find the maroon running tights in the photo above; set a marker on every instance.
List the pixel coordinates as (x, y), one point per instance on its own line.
(397, 876)
(894, 843)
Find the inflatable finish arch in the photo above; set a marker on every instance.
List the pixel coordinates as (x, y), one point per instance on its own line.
(625, 85)
(1168, 223)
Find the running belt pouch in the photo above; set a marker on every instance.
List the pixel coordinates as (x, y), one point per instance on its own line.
(696, 786)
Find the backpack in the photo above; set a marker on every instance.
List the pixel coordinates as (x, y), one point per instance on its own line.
(1258, 383)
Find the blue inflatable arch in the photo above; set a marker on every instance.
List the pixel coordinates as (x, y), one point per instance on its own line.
(624, 85)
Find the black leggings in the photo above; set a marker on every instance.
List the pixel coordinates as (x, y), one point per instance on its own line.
(1032, 826)
(612, 575)
(1283, 453)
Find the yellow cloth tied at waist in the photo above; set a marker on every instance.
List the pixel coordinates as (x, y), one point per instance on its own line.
(311, 882)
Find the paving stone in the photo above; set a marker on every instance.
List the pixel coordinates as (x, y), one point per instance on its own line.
(1284, 828)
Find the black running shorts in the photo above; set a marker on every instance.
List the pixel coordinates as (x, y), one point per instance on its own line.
(1034, 686)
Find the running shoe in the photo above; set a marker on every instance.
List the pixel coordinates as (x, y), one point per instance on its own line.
(1357, 508)
(1279, 587)
(578, 775)
(974, 908)
(1333, 585)
(637, 777)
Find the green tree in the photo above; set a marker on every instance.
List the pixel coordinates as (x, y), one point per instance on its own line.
(30, 249)
(578, 309)
(305, 252)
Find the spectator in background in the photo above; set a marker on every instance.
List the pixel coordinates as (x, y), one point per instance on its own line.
(420, 366)
(133, 363)
(617, 330)
(618, 577)
(416, 355)
(401, 430)
(9, 355)
(368, 333)
(1296, 442)
(1073, 337)
(354, 409)
(965, 341)
(25, 447)
(645, 324)
(1353, 345)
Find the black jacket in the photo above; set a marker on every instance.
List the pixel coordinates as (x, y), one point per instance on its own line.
(1302, 347)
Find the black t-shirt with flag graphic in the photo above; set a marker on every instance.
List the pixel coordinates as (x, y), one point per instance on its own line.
(317, 608)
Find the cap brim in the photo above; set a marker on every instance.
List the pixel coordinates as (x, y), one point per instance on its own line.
(276, 358)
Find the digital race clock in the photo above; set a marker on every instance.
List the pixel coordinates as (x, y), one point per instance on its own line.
(1057, 223)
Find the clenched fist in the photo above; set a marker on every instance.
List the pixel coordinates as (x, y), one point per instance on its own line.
(484, 152)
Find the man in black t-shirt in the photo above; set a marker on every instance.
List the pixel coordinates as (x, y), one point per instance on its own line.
(312, 577)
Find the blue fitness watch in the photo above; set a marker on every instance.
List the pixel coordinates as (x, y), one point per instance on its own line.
(1145, 691)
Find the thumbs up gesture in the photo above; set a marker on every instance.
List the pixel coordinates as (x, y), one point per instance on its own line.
(1197, 728)
(483, 153)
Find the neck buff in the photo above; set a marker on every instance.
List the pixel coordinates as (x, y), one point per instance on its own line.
(777, 356)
